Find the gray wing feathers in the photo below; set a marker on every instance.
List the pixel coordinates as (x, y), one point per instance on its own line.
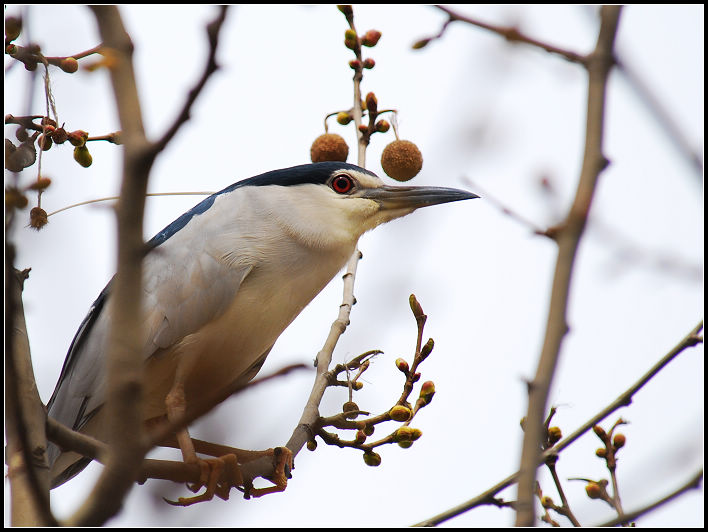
(184, 289)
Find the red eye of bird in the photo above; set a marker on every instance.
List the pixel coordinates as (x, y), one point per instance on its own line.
(342, 184)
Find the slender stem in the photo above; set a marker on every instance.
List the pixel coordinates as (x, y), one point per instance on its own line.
(625, 398)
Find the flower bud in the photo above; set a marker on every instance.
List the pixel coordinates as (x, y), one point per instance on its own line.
(554, 434)
(597, 429)
(59, 135)
(402, 365)
(311, 445)
(371, 103)
(405, 444)
(369, 63)
(370, 38)
(44, 142)
(382, 126)
(594, 490)
(346, 10)
(350, 39)
(426, 396)
(400, 413)
(355, 64)
(415, 306)
(547, 502)
(41, 184)
(403, 434)
(601, 452)
(343, 118)
(360, 436)
(372, 459)
(426, 349)
(619, 441)
(421, 44)
(69, 65)
(368, 430)
(77, 138)
(82, 156)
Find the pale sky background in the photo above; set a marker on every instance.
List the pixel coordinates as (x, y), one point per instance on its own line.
(479, 109)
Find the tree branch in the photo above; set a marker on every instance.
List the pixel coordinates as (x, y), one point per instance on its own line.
(598, 64)
(624, 399)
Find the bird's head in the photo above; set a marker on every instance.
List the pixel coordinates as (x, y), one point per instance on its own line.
(332, 203)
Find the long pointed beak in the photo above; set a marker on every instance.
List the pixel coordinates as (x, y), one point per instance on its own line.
(412, 198)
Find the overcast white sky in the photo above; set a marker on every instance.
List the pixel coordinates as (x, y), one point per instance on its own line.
(480, 110)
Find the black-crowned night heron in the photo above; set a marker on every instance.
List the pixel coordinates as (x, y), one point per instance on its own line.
(221, 284)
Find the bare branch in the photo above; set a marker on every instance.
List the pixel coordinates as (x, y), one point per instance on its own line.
(598, 64)
(213, 29)
(28, 471)
(487, 497)
(693, 483)
(511, 34)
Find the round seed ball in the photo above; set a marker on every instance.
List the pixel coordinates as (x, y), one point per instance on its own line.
(401, 160)
(329, 147)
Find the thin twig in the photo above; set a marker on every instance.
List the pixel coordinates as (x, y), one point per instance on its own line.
(693, 483)
(511, 34)
(625, 398)
(213, 29)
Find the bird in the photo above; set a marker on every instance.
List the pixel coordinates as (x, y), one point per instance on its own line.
(220, 285)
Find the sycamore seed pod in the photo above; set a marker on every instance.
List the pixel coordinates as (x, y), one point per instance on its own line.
(401, 160)
(38, 218)
(329, 147)
(350, 409)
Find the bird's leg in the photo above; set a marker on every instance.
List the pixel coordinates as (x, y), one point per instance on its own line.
(282, 458)
(226, 461)
(211, 469)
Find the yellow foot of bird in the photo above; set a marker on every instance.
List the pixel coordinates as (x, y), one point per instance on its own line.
(227, 467)
(211, 470)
